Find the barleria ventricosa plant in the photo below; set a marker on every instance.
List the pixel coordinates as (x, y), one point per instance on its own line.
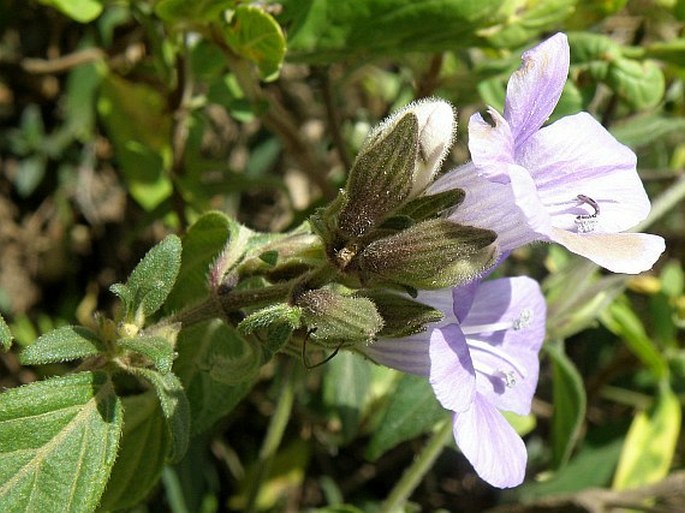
(392, 264)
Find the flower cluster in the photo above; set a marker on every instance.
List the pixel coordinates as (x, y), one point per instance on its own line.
(570, 182)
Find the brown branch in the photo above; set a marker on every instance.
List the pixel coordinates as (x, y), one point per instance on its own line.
(332, 117)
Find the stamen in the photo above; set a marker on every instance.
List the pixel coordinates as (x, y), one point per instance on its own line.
(524, 319)
(479, 345)
(587, 222)
(521, 322)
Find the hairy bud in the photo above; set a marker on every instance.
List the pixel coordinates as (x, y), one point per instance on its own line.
(430, 255)
(336, 319)
(401, 316)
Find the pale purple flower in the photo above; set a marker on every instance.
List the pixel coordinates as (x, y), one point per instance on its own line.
(570, 182)
(481, 358)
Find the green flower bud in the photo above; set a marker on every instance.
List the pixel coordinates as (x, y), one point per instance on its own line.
(398, 160)
(337, 320)
(401, 316)
(430, 255)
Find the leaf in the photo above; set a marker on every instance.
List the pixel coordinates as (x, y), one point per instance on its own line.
(58, 442)
(142, 453)
(6, 336)
(276, 321)
(152, 279)
(80, 10)
(202, 244)
(644, 129)
(569, 404)
(175, 408)
(651, 442)
(641, 84)
(183, 11)
(620, 319)
(138, 123)
(203, 350)
(411, 411)
(62, 345)
(346, 386)
(328, 30)
(257, 36)
(158, 349)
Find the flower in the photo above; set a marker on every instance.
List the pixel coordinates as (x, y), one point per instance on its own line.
(481, 358)
(570, 182)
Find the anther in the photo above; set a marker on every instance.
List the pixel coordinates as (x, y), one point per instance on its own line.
(587, 222)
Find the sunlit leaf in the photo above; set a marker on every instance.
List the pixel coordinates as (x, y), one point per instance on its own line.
(6, 336)
(62, 345)
(651, 442)
(58, 442)
(79, 10)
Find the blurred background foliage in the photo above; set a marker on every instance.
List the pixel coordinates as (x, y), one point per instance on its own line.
(122, 121)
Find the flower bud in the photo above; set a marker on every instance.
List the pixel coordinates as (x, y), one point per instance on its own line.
(430, 255)
(398, 160)
(336, 319)
(401, 316)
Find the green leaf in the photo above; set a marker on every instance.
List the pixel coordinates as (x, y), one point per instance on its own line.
(204, 350)
(257, 36)
(153, 278)
(569, 401)
(202, 244)
(142, 453)
(158, 349)
(6, 336)
(80, 10)
(138, 123)
(641, 84)
(276, 321)
(643, 130)
(620, 319)
(327, 30)
(651, 442)
(183, 11)
(62, 345)
(672, 51)
(58, 442)
(411, 411)
(345, 389)
(175, 407)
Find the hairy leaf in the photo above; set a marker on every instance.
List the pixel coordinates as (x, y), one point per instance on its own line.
(62, 345)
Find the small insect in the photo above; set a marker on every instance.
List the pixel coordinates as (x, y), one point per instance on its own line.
(587, 222)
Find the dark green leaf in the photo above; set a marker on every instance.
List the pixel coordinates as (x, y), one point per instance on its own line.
(401, 315)
(6, 336)
(620, 319)
(412, 410)
(58, 442)
(569, 404)
(136, 119)
(205, 352)
(202, 244)
(256, 36)
(345, 389)
(158, 349)
(62, 345)
(175, 407)
(142, 453)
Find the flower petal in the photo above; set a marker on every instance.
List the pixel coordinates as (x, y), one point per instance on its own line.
(491, 146)
(576, 155)
(534, 89)
(629, 253)
(407, 354)
(519, 302)
(492, 446)
(494, 206)
(451, 373)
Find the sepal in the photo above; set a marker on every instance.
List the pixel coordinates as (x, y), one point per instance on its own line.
(401, 316)
(430, 255)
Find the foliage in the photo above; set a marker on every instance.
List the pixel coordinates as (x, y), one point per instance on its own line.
(179, 330)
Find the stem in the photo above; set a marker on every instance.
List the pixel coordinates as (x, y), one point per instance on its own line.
(274, 435)
(664, 203)
(414, 474)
